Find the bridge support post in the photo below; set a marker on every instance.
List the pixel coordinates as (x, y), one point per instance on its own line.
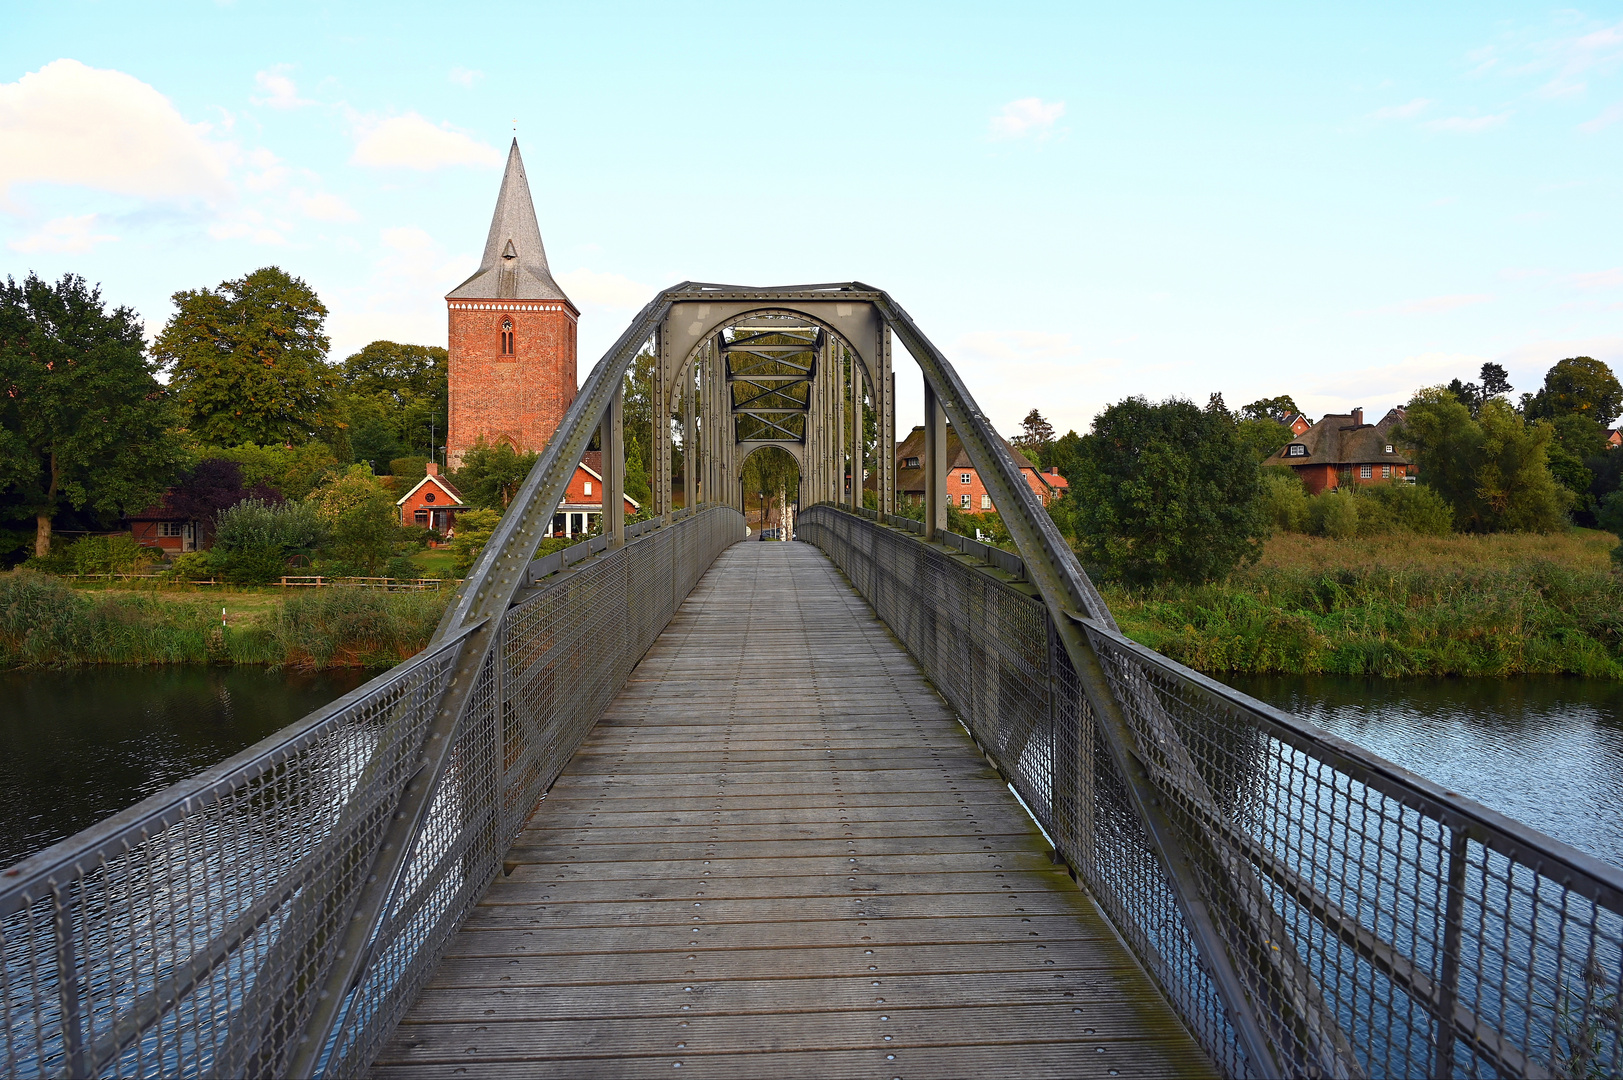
(612, 438)
(663, 383)
(690, 445)
(935, 464)
(857, 440)
(885, 403)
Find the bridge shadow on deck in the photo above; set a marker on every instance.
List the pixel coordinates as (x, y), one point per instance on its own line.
(778, 854)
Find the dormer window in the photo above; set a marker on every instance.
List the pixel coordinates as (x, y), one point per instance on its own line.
(1388, 448)
(912, 463)
(1296, 450)
(507, 337)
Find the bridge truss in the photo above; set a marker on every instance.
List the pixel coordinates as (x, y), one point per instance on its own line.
(1309, 909)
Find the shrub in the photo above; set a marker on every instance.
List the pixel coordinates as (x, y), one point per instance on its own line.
(254, 540)
(473, 528)
(117, 554)
(1413, 508)
(1333, 514)
(1284, 500)
(191, 565)
(323, 627)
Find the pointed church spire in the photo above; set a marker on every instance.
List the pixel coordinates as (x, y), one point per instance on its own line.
(515, 262)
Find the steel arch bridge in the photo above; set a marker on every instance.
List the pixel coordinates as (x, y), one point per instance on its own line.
(662, 800)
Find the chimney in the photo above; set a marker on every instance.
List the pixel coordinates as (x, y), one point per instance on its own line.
(433, 468)
(1358, 416)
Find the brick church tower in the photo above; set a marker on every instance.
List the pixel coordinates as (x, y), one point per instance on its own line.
(512, 335)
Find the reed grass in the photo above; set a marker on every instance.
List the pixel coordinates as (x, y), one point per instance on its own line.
(1397, 606)
(43, 623)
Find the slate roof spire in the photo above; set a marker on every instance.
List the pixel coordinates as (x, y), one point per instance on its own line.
(515, 261)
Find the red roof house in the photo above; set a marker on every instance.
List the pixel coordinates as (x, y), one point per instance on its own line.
(964, 487)
(1342, 450)
(582, 508)
(432, 503)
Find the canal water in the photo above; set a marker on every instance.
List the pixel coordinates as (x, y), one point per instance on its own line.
(76, 746)
(80, 744)
(1545, 750)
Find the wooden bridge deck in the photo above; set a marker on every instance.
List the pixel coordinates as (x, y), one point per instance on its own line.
(779, 854)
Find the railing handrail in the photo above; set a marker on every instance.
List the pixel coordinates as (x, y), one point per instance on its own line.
(1488, 826)
(164, 808)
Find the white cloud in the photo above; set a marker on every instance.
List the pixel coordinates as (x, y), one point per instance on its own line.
(1407, 111)
(279, 90)
(1597, 279)
(323, 206)
(465, 76)
(605, 290)
(68, 235)
(1608, 116)
(1468, 124)
(1433, 304)
(71, 124)
(412, 142)
(1026, 116)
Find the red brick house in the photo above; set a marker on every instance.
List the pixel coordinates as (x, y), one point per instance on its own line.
(431, 503)
(167, 530)
(511, 367)
(1342, 450)
(1298, 424)
(582, 508)
(1614, 438)
(965, 491)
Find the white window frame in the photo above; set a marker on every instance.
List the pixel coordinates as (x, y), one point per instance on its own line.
(963, 478)
(1386, 472)
(1366, 472)
(1296, 450)
(588, 487)
(964, 501)
(986, 502)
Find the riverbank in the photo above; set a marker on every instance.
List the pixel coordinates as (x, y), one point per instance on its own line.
(1397, 606)
(45, 623)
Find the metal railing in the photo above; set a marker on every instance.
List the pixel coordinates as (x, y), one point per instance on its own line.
(189, 935)
(1395, 928)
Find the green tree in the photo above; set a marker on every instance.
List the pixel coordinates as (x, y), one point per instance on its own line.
(248, 362)
(473, 529)
(1167, 492)
(1492, 470)
(491, 475)
(83, 419)
(1035, 435)
(396, 399)
(1278, 409)
(770, 474)
(1578, 384)
(1578, 440)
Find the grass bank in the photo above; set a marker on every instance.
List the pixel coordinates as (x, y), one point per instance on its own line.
(1397, 606)
(44, 623)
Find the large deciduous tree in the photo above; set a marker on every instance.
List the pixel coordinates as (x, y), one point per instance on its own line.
(396, 400)
(248, 361)
(1492, 469)
(1578, 385)
(83, 419)
(491, 475)
(1166, 492)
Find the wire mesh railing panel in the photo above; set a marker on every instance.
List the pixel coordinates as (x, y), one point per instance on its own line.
(189, 935)
(130, 949)
(1381, 926)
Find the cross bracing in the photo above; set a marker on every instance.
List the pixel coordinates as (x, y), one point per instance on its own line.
(852, 712)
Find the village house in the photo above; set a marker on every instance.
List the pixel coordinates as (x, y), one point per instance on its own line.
(1341, 450)
(1298, 424)
(965, 490)
(431, 503)
(170, 531)
(581, 510)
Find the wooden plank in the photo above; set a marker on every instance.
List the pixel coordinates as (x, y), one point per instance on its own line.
(780, 854)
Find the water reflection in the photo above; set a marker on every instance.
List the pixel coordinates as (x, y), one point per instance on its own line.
(1547, 751)
(76, 746)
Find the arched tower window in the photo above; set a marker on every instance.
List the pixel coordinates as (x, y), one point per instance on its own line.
(507, 337)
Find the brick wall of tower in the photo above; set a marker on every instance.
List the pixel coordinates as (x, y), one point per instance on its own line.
(521, 398)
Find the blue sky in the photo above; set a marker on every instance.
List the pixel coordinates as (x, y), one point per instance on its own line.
(1340, 202)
